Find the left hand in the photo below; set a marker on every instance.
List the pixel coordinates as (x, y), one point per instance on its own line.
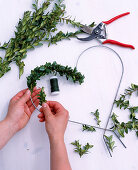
(21, 108)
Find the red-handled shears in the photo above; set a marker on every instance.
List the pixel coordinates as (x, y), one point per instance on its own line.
(99, 33)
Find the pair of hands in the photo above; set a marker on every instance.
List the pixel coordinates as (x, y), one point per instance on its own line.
(53, 113)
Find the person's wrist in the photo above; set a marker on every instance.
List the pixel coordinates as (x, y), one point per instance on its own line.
(12, 127)
(56, 138)
(56, 142)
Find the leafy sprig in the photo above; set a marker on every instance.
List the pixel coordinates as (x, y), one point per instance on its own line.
(110, 143)
(97, 118)
(33, 30)
(81, 150)
(130, 90)
(53, 68)
(42, 96)
(73, 22)
(122, 127)
(88, 128)
(122, 102)
(61, 36)
(117, 126)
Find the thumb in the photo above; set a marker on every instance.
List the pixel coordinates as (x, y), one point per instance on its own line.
(46, 110)
(25, 97)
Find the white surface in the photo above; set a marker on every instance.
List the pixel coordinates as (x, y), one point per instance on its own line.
(29, 149)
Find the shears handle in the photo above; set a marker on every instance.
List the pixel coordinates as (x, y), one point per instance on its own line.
(115, 18)
(118, 43)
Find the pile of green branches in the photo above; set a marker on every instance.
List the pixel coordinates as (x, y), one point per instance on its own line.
(33, 30)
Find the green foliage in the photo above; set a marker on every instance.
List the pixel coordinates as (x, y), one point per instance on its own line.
(125, 104)
(42, 96)
(117, 126)
(110, 143)
(133, 111)
(96, 114)
(130, 90)
(88, 128)
(68, 20)
(53, 68)
(33, 30)
(122, 102)
(81, 150)
(60, 36)
(122, 127)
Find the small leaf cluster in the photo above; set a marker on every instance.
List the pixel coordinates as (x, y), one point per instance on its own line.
(88, 128)
(53, 68)
(110, 143)
(81, 150)
(133, 111)
(122, 127)
(117, 126)
(42, 96)
(35, 28)
(130, 90)
(97, 118)
(122, 102)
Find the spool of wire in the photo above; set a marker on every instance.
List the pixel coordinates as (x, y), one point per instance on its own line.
(54, 85)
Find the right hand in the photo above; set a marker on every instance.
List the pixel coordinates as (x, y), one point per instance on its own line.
(56, 119)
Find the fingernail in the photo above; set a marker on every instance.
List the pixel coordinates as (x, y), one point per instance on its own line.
(28, 91)
(44, 104)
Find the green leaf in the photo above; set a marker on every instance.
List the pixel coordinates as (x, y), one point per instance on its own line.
(37, 44)
(22, 51)
(30, 47)
(121, 132)
(34, 6)
(21, 68)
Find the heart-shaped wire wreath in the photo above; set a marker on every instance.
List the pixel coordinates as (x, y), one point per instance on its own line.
(72, 74)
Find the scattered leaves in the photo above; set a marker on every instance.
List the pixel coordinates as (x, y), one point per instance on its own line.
(81, 150)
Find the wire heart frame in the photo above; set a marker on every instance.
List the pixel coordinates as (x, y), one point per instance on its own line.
(112, 106)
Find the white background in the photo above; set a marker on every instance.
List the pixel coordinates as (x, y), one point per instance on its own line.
(29, 149)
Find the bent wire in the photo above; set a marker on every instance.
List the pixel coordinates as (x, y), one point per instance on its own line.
(120, 80)
(109, 116)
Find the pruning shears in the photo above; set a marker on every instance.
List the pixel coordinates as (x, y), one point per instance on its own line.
(100, 33)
